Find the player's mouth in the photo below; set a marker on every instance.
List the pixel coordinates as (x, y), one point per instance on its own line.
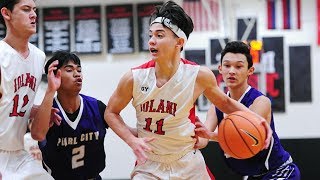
(79, 81)
(231, 79)
(153, 50)
(34, 23)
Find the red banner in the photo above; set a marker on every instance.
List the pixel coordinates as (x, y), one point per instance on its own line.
(204, 13)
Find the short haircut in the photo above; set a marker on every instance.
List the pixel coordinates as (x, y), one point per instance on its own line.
(9, 4)
(238, 47)
(63, 57)
(176, 14)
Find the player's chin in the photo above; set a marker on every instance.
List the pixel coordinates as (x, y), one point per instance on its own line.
(154, 58)
(231, 85)
(33, 28)
(78, 88)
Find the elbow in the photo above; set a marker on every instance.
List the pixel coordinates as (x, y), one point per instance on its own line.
(38, 136)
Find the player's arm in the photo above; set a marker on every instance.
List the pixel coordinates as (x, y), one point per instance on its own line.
(212, 122)
(262, 106)
(206, 81)
(102, 109)
(117, 102)
(206, 131)
(42, 119)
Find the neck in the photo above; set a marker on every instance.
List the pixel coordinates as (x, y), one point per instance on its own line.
(237, 92)
(18, 43)
(69, 103)
(165, 69)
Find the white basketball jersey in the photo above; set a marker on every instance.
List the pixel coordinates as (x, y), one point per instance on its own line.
(164, 113)
(18, 84)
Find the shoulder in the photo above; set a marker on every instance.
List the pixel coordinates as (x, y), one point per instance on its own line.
(186, 61)
(262, 101)
(149, 64)
(89, 98)
(92, 99)
(205, 75)
(127, 77)
(36, 50)
(258, 97)
(37, 55)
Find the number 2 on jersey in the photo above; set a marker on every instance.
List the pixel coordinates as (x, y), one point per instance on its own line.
(159, 126)
(77, 157)
(16, 104)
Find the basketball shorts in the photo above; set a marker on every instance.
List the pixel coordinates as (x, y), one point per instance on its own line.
(191, 166)
(289, 172)
(20, 165)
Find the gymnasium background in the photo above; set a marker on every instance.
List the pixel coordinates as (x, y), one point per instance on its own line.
(111, 37)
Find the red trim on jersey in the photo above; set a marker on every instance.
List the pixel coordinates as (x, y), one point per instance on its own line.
(149, 64)
(210, 174)
(186, 61)
(152, 63)
(192, 114)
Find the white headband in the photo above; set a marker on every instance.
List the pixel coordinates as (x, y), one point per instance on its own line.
(174, 28)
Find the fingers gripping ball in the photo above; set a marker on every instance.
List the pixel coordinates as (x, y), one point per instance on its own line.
(241, 135)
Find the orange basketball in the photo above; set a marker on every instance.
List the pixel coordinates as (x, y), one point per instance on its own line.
(241, 135)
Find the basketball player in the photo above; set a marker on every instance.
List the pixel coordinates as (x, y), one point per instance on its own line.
(271, 163)
(21, 67)
(163, 92)
(75, 148)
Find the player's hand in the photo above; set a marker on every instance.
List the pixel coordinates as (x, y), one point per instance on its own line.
(201, 143)
(55, 118)
(140, 147)
(54, 80)
(268, 133)
(202, 131)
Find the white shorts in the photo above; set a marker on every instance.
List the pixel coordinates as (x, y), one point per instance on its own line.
(191, 166)
(20, 165)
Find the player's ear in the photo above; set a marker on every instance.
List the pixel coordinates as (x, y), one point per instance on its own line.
(220, 68)
(250, 71)
(180, 42)
(5, 13)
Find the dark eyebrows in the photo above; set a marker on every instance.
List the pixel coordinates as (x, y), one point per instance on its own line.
(159, 30)
(71, 66)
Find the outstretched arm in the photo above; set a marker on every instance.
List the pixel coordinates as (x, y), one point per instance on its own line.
(117, 102)
(41, 122)
(206, 131)
(262, 106)
(206, 83)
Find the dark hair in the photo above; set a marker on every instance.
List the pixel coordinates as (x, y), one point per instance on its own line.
(63, 57)
(238, 47)
(176, 14)
(9, 4)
